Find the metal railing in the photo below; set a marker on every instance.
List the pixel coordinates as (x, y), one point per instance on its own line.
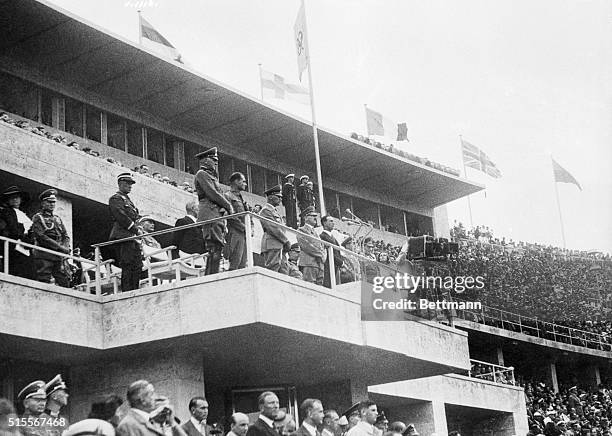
(535, 327)
(491, 372)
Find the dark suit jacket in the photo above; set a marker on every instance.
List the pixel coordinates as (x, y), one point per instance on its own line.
(124, 215)
(260, 428)
(135, 425)
(189, 240)
(9, 226)
(338, 260)
(191, 430)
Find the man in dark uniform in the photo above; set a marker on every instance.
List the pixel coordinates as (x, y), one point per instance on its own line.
(289, 201)
(188, 241)
(236, 238)
(124, 215)
(212, 205)
(302, 195)
(274, 242)
(57, 397)
(326, 235)
(34, 399)
(14, 224)
(49, 232)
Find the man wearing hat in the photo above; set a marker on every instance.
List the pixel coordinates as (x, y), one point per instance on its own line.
(351, 415)
(34, 398)
(57, 397)
(14, 224)
(125, 216)
(236, 238)
(293, 270)
(289, 201)
(381, 424)
(212, 205)
(147, 225)
(313, 253)
(49, 232)
(302, 195)
(274, 242)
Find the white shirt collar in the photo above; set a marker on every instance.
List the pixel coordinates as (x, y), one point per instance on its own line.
(267, 421)
(142, 413)
(312, 430)
(192, 218)
(197, 424)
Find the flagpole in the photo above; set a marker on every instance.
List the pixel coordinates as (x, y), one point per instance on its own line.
(139, 28)
(260, 82)
(314, 123)
(465, 175)
(558, 204)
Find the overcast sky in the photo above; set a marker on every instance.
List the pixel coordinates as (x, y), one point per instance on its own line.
(520, 79)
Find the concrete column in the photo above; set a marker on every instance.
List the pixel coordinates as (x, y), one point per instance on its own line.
(551, 373)
(593, 376)
(359, 391)
(500, 356)
(440, 222)
(63, 209)
(439, 418)
(177, 375)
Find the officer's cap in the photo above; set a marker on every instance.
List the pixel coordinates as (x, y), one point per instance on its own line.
(304, 177)
(307, 211)
(55, 384)
(296, 247)
(48, 195)
(145, 218)
(381, 418)
(211, 153)
(276, 190)
(353, 410)
(411, 430)
(289, 175)
(126, 177)
(33, 390)
(13, 191)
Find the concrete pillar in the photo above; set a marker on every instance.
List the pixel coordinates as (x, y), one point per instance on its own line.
(63, 209)
(439, 418)
(593, 376)
(177, 375)
(551, 373)
(440, 222)
(359, 391)
(428, 417)
(500, 356)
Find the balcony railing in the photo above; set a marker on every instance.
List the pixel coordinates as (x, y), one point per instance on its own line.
(491, 372)
(535, 327)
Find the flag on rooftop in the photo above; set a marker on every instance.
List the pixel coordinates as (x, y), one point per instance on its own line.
(151, 38)
(274, 86)
(301, 41)
(561, 175)
(379, 125)
(474, 157)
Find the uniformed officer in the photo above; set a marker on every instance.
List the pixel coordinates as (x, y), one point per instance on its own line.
(49, 232)
(302, 195)
(313, 253)
(236, 238)
(34, 399)
(212, 205)
(274, 243)
(293, 270)
(57, 397)
(124, 215)
(289, 198)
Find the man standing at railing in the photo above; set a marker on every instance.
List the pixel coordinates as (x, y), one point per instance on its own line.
(124, 215)
(289, 201)
(313, 252)
(212, 205)
(274, 243)
(49, 232)
(328, 224)
(236, 240)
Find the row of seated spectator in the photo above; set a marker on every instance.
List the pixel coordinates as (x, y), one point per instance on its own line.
(390, 148)
(572, 411)
(56, 137)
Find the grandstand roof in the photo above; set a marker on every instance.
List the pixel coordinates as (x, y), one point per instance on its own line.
(69, 49)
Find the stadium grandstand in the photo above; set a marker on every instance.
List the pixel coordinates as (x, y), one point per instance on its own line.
(83, 112)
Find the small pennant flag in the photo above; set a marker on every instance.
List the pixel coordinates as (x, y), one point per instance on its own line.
(379, 125)
(156, 41)
(274, 86)
(561, 175)
(474, 157)
(301, 41)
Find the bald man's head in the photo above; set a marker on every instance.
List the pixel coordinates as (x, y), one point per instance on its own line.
(240, 424)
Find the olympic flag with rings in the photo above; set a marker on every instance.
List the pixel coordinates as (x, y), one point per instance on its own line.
(301, 41)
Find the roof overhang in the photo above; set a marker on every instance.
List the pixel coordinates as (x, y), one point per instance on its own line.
(68, 49)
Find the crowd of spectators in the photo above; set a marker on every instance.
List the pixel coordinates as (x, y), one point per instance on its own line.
(390, 148)
(59, 138)
(570, 412)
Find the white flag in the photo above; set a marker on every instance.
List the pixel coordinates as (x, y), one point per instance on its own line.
(273, 85)
(301, 41)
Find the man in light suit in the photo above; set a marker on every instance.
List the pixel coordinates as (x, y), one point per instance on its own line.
(326, 235)
(274, 243)
(268, 409)
(197, 426)
(312, 411)
(139, 421)
(313, 253)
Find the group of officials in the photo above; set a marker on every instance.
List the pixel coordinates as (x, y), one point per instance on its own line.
(307, 259)
(150, 414)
